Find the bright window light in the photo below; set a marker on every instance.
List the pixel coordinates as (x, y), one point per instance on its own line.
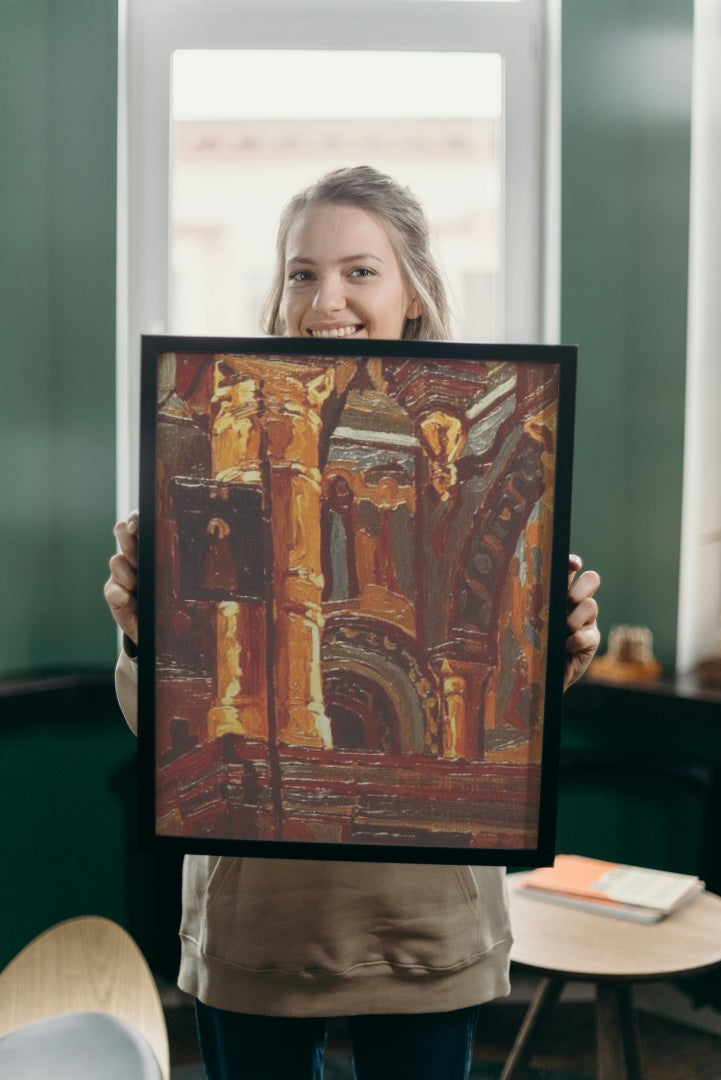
(226, 84)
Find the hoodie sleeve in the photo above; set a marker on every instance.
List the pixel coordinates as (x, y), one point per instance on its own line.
(126, 688)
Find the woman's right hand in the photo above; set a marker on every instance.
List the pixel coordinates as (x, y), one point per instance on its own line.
(121, 587)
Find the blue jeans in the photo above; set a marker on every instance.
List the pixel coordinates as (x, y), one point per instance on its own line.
(416, 1046)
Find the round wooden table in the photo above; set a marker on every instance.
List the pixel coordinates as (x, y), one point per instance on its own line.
(562, 944)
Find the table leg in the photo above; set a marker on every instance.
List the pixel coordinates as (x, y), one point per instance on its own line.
(617, 1033)
(545, 997)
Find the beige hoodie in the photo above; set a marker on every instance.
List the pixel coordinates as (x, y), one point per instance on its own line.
(284, 937)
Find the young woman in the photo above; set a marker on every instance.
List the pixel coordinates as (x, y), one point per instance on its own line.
(271, 948)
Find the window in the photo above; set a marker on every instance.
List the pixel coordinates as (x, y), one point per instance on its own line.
(237, 156)
(227, 105)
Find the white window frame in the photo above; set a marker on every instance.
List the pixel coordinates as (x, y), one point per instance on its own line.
(699, 597)
(526, 34)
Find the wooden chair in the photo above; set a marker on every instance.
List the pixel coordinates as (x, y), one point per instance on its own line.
(83, 983)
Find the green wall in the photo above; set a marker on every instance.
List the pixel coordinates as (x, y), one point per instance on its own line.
(626, 145)
(58, 71)
(69, 804)
(67, 776)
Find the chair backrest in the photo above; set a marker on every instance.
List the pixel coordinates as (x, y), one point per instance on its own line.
(87, 964)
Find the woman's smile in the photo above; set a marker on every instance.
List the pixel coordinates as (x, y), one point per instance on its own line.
(335, 331)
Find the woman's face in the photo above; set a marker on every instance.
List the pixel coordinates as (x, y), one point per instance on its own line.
(342, 277)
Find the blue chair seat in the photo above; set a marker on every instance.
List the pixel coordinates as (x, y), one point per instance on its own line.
(78, 1046)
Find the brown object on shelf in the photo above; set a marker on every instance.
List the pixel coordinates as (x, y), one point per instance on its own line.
(709, 671)
(625, 670)
(630, 656)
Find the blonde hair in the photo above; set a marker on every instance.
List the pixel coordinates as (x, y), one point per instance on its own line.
(403, 217)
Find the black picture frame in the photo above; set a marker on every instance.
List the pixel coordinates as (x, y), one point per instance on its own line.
(353, 574)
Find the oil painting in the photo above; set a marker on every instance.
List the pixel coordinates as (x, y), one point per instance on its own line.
(352, 597)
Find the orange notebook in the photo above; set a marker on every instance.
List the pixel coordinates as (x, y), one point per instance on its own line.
(630, 892)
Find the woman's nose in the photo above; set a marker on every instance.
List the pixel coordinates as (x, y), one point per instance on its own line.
(329, 295)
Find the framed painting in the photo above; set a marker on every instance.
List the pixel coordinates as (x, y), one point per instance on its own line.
(352, 597)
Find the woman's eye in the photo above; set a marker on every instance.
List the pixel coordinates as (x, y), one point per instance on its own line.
(300, 276)
(362, 272)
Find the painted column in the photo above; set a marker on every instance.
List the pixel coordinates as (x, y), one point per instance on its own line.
(241, 702)
(292, 399)
(266, 431)
(453, 711)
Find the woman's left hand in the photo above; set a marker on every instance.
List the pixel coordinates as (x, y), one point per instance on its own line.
(583, 636)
